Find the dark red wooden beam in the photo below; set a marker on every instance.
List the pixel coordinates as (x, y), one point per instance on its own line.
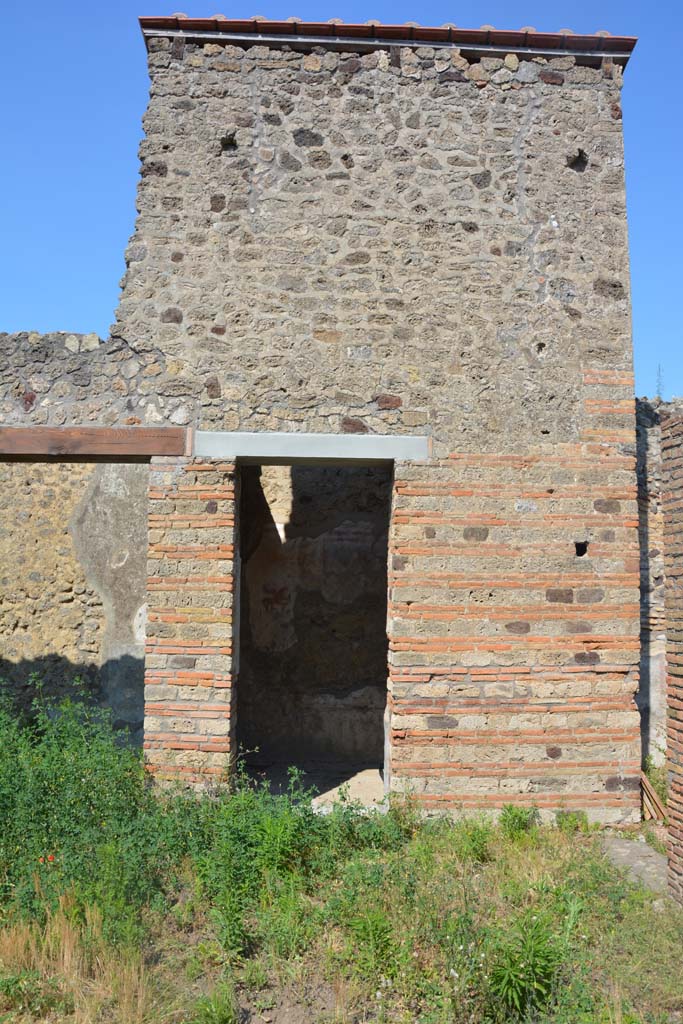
(122, 442)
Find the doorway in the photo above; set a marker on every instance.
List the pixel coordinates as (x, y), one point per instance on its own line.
(312, 681)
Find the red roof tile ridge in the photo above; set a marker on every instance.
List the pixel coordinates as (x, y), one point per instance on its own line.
(598, 44)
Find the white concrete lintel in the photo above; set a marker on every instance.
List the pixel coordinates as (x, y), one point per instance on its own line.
(266, 447)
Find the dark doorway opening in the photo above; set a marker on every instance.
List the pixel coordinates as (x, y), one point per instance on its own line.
(312, 678)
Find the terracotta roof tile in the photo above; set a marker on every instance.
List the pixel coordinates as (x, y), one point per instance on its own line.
(526, 38)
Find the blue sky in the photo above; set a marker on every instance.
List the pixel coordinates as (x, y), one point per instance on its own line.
(74, 87)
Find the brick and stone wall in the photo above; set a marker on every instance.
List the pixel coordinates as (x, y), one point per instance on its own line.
(406, 242)
(672, 456)
(403, 241)
(513, 657)
(189, 652)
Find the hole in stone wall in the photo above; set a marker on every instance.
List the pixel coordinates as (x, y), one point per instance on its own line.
(578, 162)
(229, 142)
(581, 547)
(312, 679)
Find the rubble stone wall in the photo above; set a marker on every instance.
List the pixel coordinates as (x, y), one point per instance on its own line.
(48, 609)
(63, 379)
(72, 581)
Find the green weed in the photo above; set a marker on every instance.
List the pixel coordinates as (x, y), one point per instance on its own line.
(516, 821)
(472, 840)
(221, 1007)
(570, 822)
(524, 967)
(30, 993)
(76, 815)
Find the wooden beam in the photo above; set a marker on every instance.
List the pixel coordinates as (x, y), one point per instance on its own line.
(652, 805)
(121, 442)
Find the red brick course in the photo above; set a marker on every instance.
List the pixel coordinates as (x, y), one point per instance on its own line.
(672, 459)
(514, 662)
(188, 666)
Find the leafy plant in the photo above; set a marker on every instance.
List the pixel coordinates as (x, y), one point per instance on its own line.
(221, 1007)
(570, 822)
(472, 839)
(76, 815)
(517, 821)
(28, 992)
(524, 967)
(373, 941)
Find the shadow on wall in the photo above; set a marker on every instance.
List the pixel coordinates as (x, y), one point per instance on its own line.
(651, 695)
(313, 643)
(55, 677)
(643, 694)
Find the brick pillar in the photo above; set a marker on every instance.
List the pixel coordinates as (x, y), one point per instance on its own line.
(672, 472)
(189, 652)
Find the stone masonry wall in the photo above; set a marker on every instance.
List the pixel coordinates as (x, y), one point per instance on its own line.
(73, 536)
(672, 453)
(49, 613)
(72, 582)
(401, 241)
(63, 379)
(386, 242)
